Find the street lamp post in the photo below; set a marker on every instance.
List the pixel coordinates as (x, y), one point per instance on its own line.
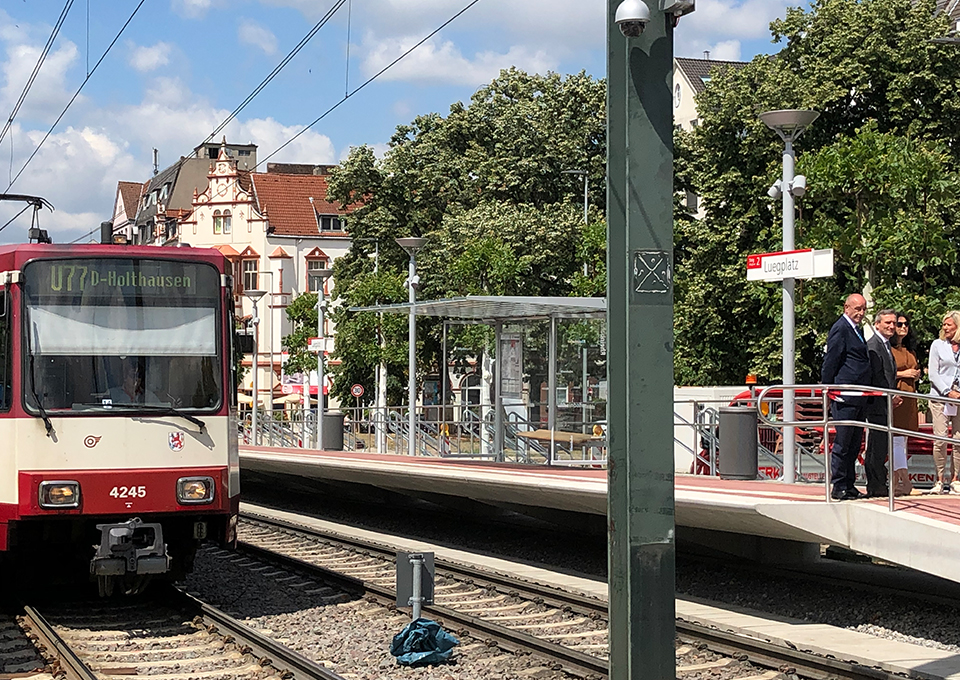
(323, 275)
(255, 296)
(789, 124)
(586, 200)
(412, 245)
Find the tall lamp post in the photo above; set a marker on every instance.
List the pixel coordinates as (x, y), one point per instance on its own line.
(412, 245)
(255, 296)
(323, 275)
(586, 199)
(789, 124)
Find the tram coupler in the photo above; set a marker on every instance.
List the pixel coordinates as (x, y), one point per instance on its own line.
(130, 547)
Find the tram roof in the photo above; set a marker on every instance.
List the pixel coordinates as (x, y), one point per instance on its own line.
(494, 307)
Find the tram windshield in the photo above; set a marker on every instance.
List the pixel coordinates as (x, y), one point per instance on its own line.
(121, 333)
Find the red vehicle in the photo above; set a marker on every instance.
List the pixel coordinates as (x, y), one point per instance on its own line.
(809, 406)
(117, 410)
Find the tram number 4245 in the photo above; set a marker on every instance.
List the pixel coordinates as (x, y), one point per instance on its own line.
(128, 492)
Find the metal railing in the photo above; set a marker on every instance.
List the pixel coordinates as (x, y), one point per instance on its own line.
(472, 435)
(825, 393)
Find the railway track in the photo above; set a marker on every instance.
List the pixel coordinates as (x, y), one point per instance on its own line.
(567, 629)
(171, 635)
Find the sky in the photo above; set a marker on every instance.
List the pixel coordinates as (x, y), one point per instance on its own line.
(180, 67)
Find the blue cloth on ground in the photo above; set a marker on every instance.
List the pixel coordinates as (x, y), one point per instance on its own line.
(422, 642)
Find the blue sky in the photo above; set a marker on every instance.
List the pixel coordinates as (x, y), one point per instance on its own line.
(181, 66)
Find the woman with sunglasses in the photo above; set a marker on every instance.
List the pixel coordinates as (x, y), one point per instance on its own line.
(903, 346)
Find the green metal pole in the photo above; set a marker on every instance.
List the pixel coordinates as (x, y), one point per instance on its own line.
(640, 337)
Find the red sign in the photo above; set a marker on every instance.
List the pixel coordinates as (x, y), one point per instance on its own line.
(357, 390)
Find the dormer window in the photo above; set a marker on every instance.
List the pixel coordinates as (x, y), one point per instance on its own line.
(165, 190)
(330, 223)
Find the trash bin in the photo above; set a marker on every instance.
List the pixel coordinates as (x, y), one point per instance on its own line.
(738, 442)
(333, 430)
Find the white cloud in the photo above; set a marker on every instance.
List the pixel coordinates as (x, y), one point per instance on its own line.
(145, 59)
(77, 170)
(194, 9)
(723, 22)
(252, 33)
(49, 93)
(435, 62)
(728, 50)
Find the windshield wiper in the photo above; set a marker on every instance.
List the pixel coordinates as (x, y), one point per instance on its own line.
(159, 409)
(33, 388)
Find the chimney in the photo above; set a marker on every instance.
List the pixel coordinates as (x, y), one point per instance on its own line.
(706, 55)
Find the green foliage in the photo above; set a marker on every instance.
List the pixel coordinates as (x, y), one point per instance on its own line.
(486, 185)
(881, 185)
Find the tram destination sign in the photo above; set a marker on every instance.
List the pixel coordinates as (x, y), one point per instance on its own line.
(794, 264)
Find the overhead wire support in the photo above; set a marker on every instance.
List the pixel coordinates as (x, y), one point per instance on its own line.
(36, 68)
(367, 82)
(77, 93)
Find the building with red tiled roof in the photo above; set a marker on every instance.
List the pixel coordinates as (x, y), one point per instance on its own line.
(277, 230)
(126, 204)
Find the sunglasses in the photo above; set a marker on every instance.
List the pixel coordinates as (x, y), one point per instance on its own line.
(901, 324)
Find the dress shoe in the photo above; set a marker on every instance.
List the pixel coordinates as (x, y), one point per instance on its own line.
(846, 495)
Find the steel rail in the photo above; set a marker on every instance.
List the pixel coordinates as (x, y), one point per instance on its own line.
(760, 652)
(773, 655)
(551, 596)
(571, 660)
(292, 664)
(64, 657)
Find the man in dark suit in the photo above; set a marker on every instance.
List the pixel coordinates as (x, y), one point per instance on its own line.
(883, 373)
(846, 362)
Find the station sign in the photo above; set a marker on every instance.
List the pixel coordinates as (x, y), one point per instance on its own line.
(793, 264)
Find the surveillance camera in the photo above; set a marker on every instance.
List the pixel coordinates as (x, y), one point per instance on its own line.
(414, 282)
(774, 191)
(632, 16)
(799, 186)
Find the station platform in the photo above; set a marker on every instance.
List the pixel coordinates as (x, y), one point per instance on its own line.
(765, 520)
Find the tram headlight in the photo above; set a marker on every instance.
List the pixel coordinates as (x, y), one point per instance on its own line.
(59, 495)
(193, 490)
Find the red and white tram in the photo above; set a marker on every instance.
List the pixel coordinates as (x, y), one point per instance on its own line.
(117, 410)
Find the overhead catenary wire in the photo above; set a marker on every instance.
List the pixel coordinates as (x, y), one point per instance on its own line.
(367, 82)
(279, 67)
(36, 68)
(79, 89)
(10, 221)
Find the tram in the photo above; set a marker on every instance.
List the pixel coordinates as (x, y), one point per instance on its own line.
(117, 411)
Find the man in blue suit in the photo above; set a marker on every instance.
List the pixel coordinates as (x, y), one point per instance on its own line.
(847, 362)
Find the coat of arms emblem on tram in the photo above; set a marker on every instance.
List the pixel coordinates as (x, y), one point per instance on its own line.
(175, 439)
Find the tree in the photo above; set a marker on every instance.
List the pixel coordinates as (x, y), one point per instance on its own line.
(880, 174)
(485, 184)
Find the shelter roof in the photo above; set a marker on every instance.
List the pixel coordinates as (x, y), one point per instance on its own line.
(492, 307)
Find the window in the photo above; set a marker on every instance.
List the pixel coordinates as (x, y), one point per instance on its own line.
(693, 202)
(251, 270)
(165, 190)
(330, 223)
(121, 333)
(314, 280)
(6, 368)
(227, 222)
(217, 222)
(243, 152)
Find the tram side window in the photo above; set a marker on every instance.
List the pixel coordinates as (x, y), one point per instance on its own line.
(6, 368)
